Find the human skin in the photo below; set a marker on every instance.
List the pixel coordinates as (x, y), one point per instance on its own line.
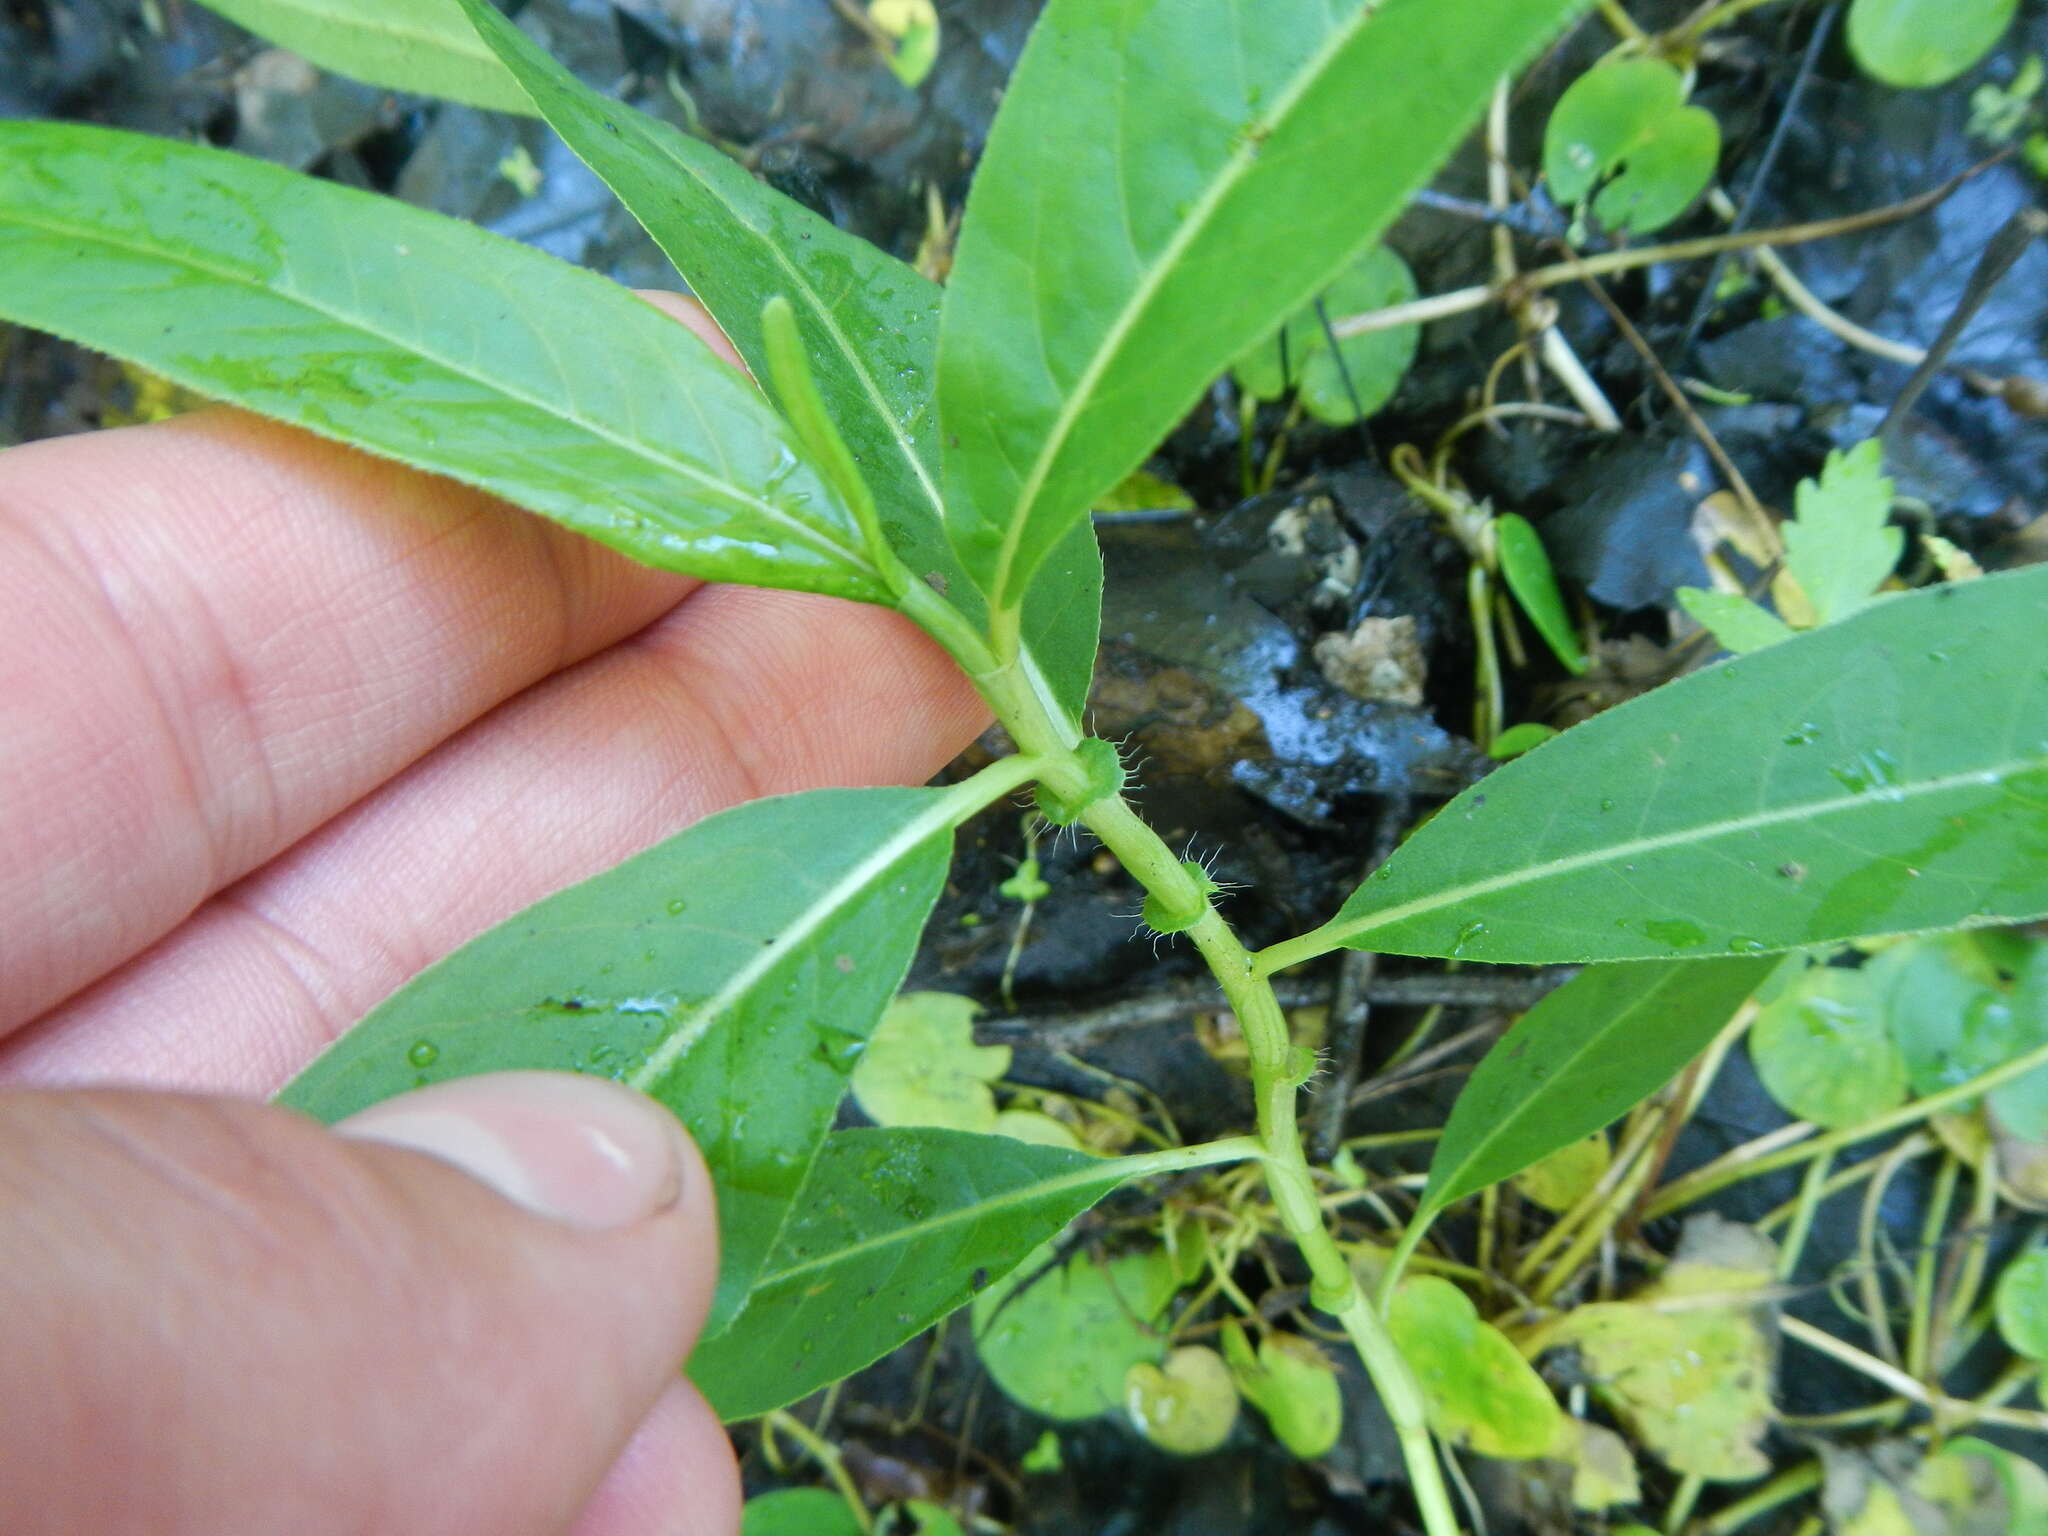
(280, 724)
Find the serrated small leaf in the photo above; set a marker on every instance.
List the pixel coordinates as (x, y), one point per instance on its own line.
(741, 1004)
(419, 338)
(408, 45)
(1739, 624)
(1838, 546)
(1601, 1043)
(1690, 1380)
(1624, 129)
(1883, 774)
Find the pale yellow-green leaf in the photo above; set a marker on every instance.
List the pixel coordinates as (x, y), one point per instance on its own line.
(1479, 1391)
(1603, 1468)
(1030, 1125)
(1690, 1381)
(1292, 1382)
(922, 1067)
(1185, 1405)
(1561, 1180)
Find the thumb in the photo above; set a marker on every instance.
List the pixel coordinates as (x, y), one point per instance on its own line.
(451, 1317)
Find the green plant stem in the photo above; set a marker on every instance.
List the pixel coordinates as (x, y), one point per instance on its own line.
(826, 1455)
(1921, 1328)
(1680, 1509)
(1812, 1189)
(1276, 1076)
(1782, 1489)
(1718, 1175)
(1976, 1251)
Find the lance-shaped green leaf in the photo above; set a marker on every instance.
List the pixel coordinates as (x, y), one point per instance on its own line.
(1581, 1058)
(419, 338)
(869, 324)
(1883, 774)
(408, 45)
(1525, 565)
(896, 1228)
(733, 972)
(1164, 186)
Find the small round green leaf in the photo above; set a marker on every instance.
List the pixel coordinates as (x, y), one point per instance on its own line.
(924, 1518)
(2023, 1304)
(1627, 125)
(1040, 1129)
(1822, 1050)
(798, 1512)
(922, 1067)
(1517, 739)
(1187, 1405)
(1984, 1488)
(1948, 1010)
(1374, 362)
(1293, 1384)
(1913, 43)
(1063, 1343)
(1479, 1390)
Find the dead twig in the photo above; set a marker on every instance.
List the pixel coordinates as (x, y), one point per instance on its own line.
(1076, 1028)
(1350, 1007)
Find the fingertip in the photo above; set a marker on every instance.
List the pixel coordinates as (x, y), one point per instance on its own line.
(683, 308)
(676, 1477)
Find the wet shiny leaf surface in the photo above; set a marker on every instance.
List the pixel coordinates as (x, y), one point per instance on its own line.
(1884, 774)
(1131, 231)
(893, 1230)
(418, 338)
(742, 1004)
(869, 324)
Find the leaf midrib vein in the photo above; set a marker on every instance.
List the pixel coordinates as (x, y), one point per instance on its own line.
(936, 816)
(645, 451)
(1339, 932)
(1152, 280)
(1078, 1178)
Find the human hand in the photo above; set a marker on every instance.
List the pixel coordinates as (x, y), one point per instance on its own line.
(280, 724)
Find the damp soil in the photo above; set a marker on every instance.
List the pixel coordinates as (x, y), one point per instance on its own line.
(1247, 750)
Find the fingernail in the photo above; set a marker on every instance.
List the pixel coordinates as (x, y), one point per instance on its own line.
(580, 1150)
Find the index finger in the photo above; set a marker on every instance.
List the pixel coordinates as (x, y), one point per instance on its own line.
(217, 633)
